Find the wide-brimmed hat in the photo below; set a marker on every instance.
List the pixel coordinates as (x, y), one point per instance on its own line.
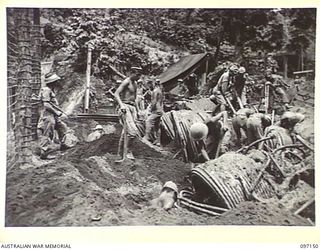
(136, 68)
(171, 185)
(50, 78)
(98, 127)
(295, 117)
(242, 70)
(199, 131)
(233, 67)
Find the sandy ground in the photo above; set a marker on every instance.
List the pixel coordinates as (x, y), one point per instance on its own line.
(83, 186)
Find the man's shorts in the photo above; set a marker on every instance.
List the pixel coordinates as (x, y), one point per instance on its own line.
(131, 117)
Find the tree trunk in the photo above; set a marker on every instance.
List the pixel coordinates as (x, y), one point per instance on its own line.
(25, 75)
(220, 39)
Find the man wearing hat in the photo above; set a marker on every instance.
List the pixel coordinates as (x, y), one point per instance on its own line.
(283, 131)
(168, 196)
(239, 86)
(182, 89)
(223, 88)
(277, 86)
(255, 126)
(126, 95)
(156, 111)
(192, 85)
(96, 134)
(272, 64)
(210, 135)
(50, 116)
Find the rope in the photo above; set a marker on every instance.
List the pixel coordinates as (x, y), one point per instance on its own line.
(209, 209)
(246, 148)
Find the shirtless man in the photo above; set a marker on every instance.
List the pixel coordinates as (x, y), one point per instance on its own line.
(126, 96)
(239, 122)
(256, 124)
(156, 111)
(253, 124)
(283, 132)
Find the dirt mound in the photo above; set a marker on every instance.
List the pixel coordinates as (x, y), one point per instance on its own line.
(258, 213)
(86, 187)
(109, 144)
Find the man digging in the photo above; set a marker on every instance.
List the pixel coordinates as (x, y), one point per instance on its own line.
(126, 96)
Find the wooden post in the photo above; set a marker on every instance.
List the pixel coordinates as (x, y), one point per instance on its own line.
(23, 128)
(204, 74)
(266, 96)
(285, 66)
(301, 56)
(88, 73)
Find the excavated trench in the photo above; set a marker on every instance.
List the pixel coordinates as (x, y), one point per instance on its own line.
(84, 186)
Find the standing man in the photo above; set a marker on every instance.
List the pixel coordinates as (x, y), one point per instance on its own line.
(277, 85)
(222, 90)
(50, 117)
(191, 84)
(239, 87)
(156, 111)
(126, 95)
(140, 96)
(182, 89)
(272, 64)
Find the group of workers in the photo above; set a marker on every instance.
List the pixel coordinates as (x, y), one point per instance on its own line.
(229, 92)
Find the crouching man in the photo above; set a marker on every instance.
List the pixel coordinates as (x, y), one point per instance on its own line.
(168, 196)
(209, 135)
(256, 125)
(98, 131)
(239, 122)
(283, 131)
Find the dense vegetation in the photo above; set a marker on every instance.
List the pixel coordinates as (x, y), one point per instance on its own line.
(155, 38)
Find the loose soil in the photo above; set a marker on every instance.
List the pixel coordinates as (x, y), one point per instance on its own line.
(84, 186)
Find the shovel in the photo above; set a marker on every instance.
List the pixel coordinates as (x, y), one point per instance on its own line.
(266, 94)
(125, 138)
